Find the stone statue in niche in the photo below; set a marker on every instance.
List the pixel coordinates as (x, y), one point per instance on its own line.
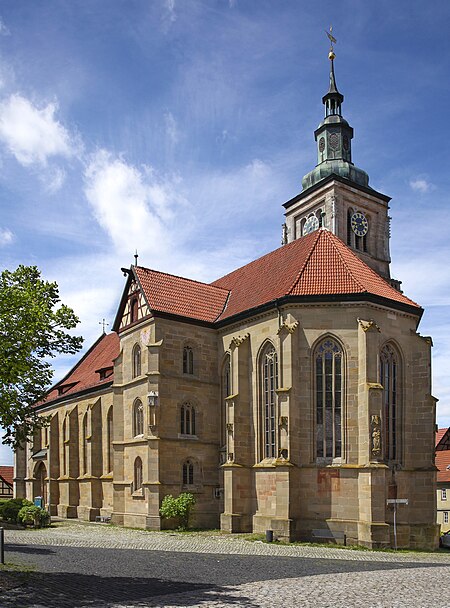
(375, 424)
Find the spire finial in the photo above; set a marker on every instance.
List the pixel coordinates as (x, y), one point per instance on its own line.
(136, 258)
(332, 40)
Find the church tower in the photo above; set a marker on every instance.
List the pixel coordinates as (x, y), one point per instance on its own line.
(336, 194)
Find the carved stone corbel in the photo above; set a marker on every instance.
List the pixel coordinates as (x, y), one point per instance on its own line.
(368, 325)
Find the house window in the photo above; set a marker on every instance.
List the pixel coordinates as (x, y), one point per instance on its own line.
(138, 418)
(137, 482)
(188, 473)
(85, 444)
(445, 517)
(187, 419)
(444, 494)
(136, 361)
(389, 376)
(188, 360)
(110, 437)
(328, 399)
(269, 376)
(134, 310)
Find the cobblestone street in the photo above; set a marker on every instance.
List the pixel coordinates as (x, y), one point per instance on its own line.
(75, 565)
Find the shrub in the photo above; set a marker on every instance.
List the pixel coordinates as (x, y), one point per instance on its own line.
(32, 515)
(9, 510)
(178, 508)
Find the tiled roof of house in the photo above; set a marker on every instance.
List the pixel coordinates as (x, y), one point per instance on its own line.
(7, 473)
(439, 435)
(442, 459)
(84, 374)
(317, 264)
(183, 297)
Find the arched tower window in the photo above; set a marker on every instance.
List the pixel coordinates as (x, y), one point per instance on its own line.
(188, 360)
(269, 377)
(328, 399)
(138, 418)
(138, 478)
(389, 379)
(136, 361)
(110, 438)
(188, 473)
(187, 419)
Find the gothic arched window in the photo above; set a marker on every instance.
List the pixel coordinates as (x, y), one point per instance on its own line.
(136, 361)
(188, 360)
(138, 418)
(137, 481)
(109, 439)
(188, 473)
(85, 444)
(269, 377)
(328, 399)
(389, 379)
(226, 392)
(65, 447)
(187, 419)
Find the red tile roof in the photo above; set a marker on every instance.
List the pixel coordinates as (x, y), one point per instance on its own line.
(315, 265)
(442, 461)
(7, 473)
(84, 375)
(183, 297)
(439, 435)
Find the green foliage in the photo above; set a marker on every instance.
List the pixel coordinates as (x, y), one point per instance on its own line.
(32, 515)
(178, 508)
(32, 330)
(9, 510)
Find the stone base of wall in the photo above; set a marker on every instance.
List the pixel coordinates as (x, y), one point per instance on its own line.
(87, 513)
(283, 529)
(67, 511)
(231, 522)
(132, 520)
(53, 509)
(417, 536)
(153, 522)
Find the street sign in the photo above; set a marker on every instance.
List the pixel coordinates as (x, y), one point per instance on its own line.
(397, 501)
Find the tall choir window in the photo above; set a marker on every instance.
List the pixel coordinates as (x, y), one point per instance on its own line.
(137, 481)
(187, 419)
(226, 392)
(85, 444)
(328, 399)
(65, 437)
(138, 418)
(389, 377)
(269, 377)
(188, 360)
(188, 473)
(136, 361)
(110, 437)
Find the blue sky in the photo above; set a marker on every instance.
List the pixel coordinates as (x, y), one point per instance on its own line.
(179, 127)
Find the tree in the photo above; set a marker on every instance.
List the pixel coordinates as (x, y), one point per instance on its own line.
(32, 330)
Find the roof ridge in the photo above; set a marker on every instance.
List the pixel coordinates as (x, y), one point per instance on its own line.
(308, 257)
(357, 281)
(177, 276)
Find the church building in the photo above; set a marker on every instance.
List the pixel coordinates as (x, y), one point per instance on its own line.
(293, 394)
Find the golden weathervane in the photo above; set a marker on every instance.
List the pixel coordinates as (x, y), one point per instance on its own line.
(332, 40)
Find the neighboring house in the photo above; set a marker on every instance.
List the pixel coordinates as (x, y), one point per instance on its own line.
(443, 478)
(292, 394)
(6, 482)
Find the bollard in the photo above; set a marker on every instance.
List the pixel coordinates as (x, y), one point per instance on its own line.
(269, 536)
(2, 545)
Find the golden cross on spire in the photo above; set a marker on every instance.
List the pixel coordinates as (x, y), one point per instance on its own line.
(332, 40)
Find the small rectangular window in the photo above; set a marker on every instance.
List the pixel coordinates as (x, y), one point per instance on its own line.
(445, 517)
(444, 494)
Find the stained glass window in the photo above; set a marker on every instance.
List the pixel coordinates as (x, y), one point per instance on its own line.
(269, 386)
(389, 381)
(328, 361)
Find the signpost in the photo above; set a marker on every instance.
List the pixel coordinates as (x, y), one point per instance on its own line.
(395, 502)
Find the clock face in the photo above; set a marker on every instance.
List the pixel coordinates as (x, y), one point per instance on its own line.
(360, 225)
(311, 224)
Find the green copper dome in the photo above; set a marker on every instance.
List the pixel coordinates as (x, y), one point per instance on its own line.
(334, 136)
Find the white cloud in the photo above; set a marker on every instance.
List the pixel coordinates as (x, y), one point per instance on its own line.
(232, 3)
(169, 15)
(421, 185)
(31, 134)
(54, 179)
(171, 127)
(134, 207)
(6, 237)
(4, 31)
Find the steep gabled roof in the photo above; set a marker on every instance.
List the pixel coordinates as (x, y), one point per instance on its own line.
(84, 375)
(319, 264)
(7, 473)
(442, 459)
(175, 295)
